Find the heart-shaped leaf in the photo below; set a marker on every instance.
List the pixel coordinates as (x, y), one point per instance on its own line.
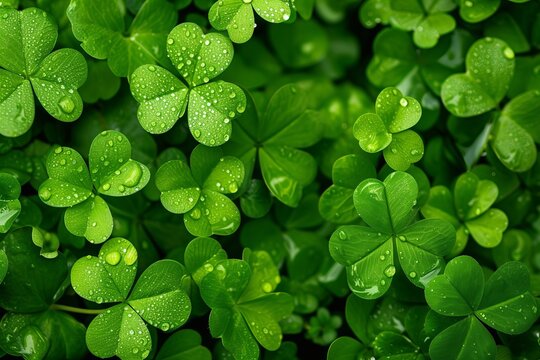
(158, 296)
(490, 67)
(119, 331)
(17, 107)
(69, 181)
(201, 255)
(211, 109)
(488, 228)
(56, 82)
(113, 171)
(405, 149)
(10, 206)
(459, 291)
(91, 219)
(179, 191)
(507, 305)
(161, 95)
(198, 57)
(473, 196)
(387, 206)
(108, 277)
(474, 11)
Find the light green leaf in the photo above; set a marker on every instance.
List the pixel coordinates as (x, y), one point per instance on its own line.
(201, 255)
(488, 228)
(119, 331)
(48, 242)
(473, 196)
(90, 219)
(211, 109)
(162, 98)
(405, 149)
(427, 33)
(490, 67)
(108, 277)
(214, 213)
(158, 296)
(235, 16)
(371, 133)
(69, 181)
(56, 81)
(274, 11)
(16, 104)
(211, 53)
(222, 287)
(113, 171)
(179, 191)
(28, 36)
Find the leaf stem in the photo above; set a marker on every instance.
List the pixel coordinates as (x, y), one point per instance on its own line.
(76, 309)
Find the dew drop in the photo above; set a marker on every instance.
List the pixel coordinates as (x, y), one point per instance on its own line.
(113, 258)
(508, 53)
(195, 214)
(66, 105)
(130, 256)
(45, 194)
(390, 271)
(403, 102)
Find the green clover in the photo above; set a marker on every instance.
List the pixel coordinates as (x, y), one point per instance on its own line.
(388, 129)
(28, 67)
(369, 252)
(71, 185)
(201, 192)
(157, 298)
(503, 302)
(469, 210)
(236, 16)
(211, 106)
(101, 26)
(10, 206)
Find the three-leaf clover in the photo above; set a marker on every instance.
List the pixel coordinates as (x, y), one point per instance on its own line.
(71, 185)
(503, 302)
(368, 252)
(201, 192)
(10, 206)
(275, 139)
(388, 129)
(101, 27)
(236, 16)
(27, 66)
(157, 298)
(211, 106)
(469, 210)
(245, 310)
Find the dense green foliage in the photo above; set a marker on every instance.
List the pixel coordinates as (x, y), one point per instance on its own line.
(270, 179)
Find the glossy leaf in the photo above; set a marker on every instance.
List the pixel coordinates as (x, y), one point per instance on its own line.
(113, 171)
(90, 219)
(184, 345)
(10, 206)
(490, 67)
(108, 277)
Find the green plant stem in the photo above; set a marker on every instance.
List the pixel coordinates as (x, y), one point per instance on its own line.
(76, 309)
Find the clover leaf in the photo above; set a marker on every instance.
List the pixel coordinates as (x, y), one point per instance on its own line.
(275, 138)
(163, 98)
(336, 202)
(387, 129)
(201, 192)
(368, 251)
(469, 210)
(71, 185)
(157, 299)
(236, 16)
(244, 308)
(474, 11)
(503, 303)
(27, 66)
(104, 34)
(184, 345)
(490, 67)
(10, 206)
